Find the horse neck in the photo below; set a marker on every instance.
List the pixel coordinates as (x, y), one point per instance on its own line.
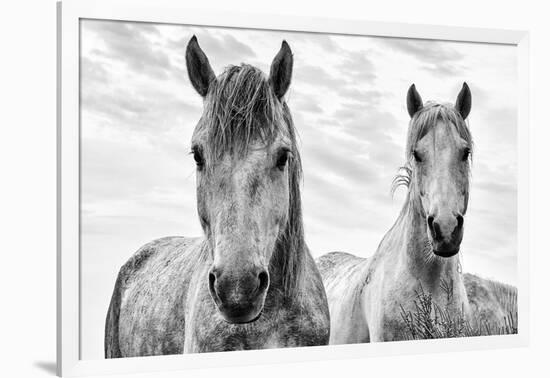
(409, 245)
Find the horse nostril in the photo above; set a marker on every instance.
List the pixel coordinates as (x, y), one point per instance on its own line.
(431, 223)
(434, 228)
(212, 281)
(459, 221)
(437, 231)
(263, 278)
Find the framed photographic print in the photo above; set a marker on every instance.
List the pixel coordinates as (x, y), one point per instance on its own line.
(237, 188)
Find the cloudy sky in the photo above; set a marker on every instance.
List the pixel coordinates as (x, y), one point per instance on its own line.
(138, 111)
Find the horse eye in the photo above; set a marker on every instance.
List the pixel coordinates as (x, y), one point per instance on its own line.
(197, 156)
(466, 154)
(282, 159)
(417, 156)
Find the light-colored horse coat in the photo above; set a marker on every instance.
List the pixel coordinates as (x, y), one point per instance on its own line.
(494, 305)
(420, 252)
(161, 305)
(250, 281)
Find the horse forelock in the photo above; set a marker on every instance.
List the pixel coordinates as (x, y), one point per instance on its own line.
(428, 117)
(241, 109)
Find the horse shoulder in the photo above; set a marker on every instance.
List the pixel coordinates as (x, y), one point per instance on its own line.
(112, 346)
(389, 290)
(136, 280)
(314, 304)
(344, 277)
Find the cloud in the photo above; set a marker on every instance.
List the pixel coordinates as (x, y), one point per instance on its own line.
(92, 71)
(302, 102)
(127, 169)
(368, 123)
(350, 213)
(503, 119)
(434, 56)
(323, 42)
(363, 96)
(316, 76)
(219, 47)
(338, 161)
(147, 106)
(358, 68)
(132, 44)
(151, 111)
(497, 187)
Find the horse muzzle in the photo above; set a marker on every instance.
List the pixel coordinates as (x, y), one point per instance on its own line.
(445, 234)
(239, 297)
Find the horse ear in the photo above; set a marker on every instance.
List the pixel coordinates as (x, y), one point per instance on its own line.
(464, 101)
(198, 68)
(414, 101)
(281, 70)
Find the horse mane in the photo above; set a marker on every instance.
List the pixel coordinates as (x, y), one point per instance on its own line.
(290, 253)
(240, 109)
(421, 124)
(506, 295)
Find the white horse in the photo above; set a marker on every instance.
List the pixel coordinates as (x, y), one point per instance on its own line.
(249, 282)
(368, 297)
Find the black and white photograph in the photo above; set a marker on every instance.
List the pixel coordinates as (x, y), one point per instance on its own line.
(275, 189)
(251, 189)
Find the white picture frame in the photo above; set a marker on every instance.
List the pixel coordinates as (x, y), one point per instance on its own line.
(68, 264)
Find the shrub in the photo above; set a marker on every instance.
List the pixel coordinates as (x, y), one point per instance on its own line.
(428, 320)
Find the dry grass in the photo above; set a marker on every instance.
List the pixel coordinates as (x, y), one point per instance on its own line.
(430, 321)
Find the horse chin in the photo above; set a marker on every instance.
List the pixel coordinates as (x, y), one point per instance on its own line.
(241, 319)
(446, 253)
